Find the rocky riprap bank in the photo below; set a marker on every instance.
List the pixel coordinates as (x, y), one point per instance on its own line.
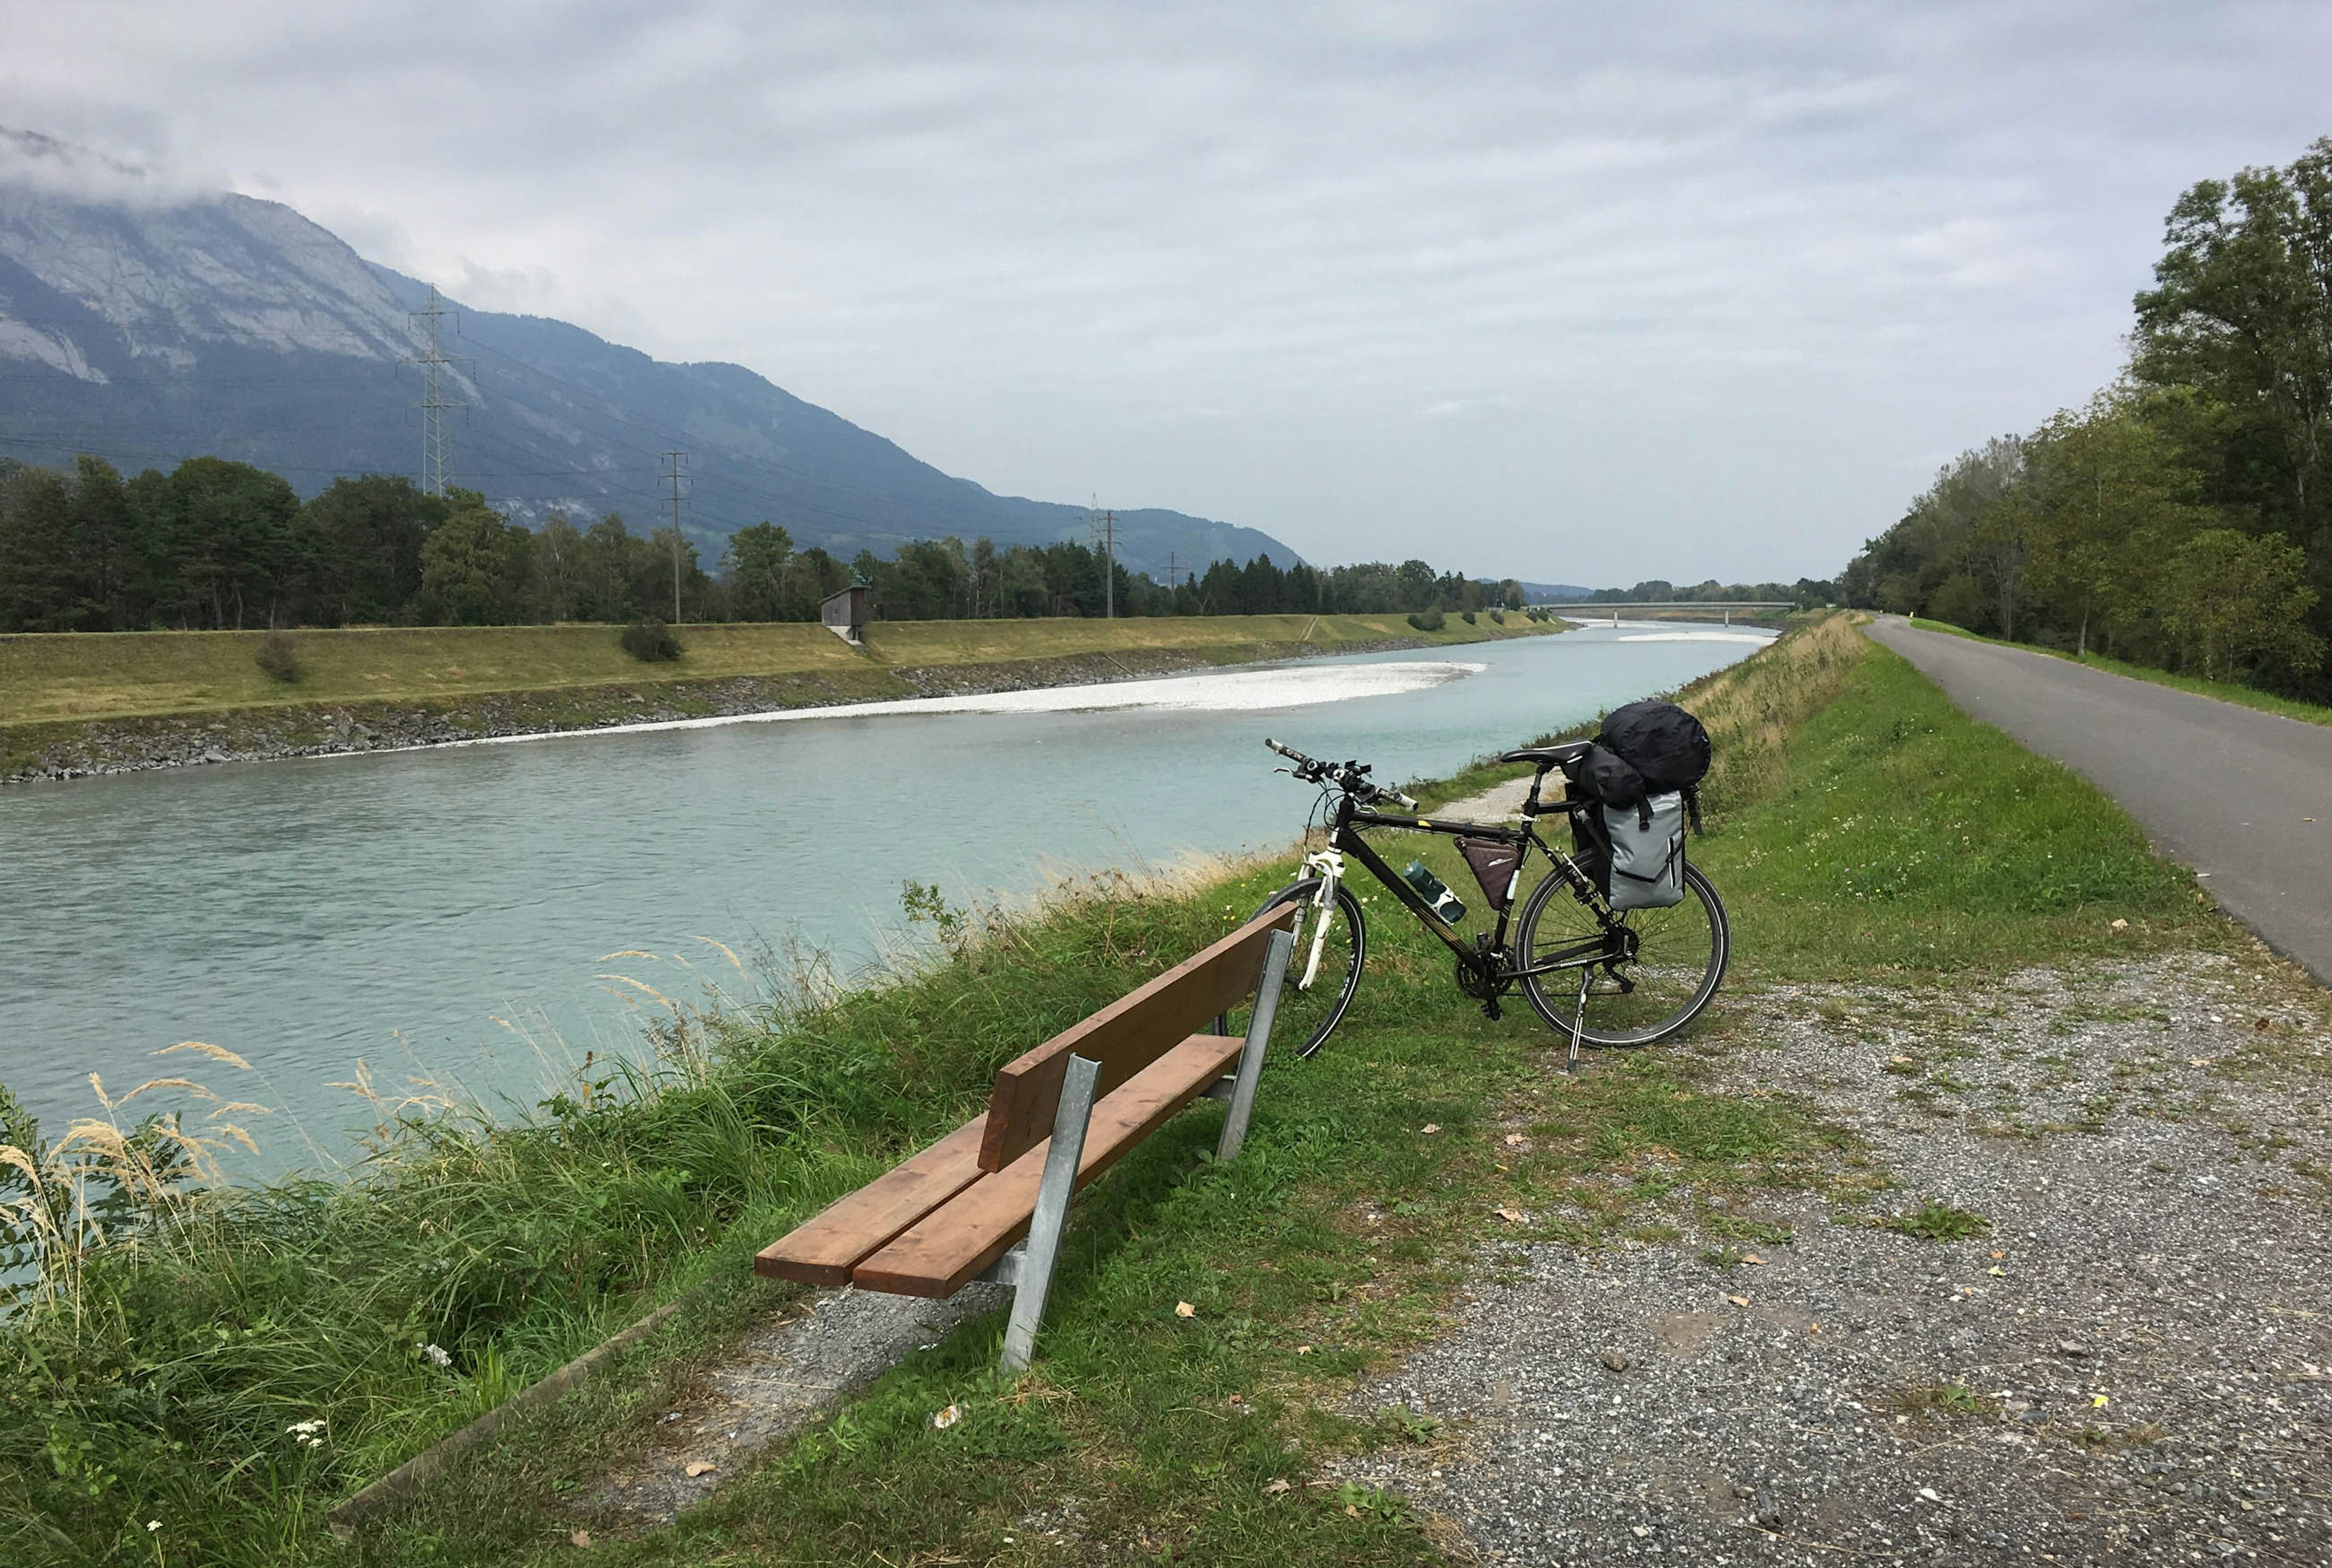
(107, 746)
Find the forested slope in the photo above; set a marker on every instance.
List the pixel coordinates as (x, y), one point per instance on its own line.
(2181, 519)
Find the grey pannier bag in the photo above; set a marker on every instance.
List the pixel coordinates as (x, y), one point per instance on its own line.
(1647, 851)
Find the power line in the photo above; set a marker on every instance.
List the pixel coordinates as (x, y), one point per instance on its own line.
(434, 401)
(1105, 531)
(675, 469)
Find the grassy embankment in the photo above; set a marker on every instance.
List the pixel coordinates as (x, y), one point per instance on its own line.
(568, 675)
(1861, 825)
(2225, 691)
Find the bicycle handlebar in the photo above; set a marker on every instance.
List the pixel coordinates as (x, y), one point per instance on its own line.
(1350, 776)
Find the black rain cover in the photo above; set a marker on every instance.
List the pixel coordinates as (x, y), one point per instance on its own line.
(1604, 775)
(1664, 744)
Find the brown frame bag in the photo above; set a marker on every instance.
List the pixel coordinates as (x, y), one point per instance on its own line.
(1493, 863)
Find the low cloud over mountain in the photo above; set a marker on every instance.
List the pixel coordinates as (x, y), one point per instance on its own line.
(148, 322)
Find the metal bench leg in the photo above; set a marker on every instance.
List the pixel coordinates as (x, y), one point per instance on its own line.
(1258, 1036)
(1034, 1274)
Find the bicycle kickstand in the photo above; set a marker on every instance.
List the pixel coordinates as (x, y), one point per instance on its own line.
(1579, 1019)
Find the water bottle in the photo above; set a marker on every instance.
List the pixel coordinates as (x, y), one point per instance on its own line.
(1434, 891)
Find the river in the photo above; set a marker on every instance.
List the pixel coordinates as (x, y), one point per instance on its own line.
(446, 914)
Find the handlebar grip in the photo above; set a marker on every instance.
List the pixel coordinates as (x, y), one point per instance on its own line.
(1408, 802)
(1290, 752)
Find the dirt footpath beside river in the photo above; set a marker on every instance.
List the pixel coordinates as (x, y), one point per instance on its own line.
(2127, 1359)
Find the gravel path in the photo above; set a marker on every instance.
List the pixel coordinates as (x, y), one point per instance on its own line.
(2132, 1364)
(773, 1383)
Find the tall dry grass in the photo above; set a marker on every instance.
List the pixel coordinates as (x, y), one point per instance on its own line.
(169, 1332)
(1754, 708)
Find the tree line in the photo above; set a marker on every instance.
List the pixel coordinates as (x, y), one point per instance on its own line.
(2183, 518)
(215, 544)
(1806, 593)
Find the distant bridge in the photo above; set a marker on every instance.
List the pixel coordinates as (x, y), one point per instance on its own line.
(1728, 605)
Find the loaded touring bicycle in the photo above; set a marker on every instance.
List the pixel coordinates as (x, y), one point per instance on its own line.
(1622, 942)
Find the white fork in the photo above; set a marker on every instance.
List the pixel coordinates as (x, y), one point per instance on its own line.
(1328, 864)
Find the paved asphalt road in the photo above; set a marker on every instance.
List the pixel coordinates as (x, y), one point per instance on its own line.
(2227, 790)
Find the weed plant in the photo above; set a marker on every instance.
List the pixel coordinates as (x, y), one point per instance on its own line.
(278, 657)
(650, 641)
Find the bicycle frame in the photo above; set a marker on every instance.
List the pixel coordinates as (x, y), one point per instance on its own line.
(1486, 960)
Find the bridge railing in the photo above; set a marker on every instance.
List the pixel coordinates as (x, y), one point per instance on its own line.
(1616, 606)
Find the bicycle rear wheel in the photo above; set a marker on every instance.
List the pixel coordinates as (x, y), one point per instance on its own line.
(1677, 961)
(1316, 997)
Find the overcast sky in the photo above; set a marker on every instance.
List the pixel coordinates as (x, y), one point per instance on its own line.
(1580, 293)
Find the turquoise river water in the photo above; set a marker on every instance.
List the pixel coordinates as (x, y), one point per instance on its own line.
(447, 915)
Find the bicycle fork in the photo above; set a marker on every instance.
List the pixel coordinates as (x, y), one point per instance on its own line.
(1330, 864)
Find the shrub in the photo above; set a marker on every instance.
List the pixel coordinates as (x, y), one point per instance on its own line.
(1499, 616)
(279, 656)
(1467, 615)
(1426, 620)
(651, 641)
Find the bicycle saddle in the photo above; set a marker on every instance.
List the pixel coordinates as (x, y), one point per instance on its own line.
(1549, 756)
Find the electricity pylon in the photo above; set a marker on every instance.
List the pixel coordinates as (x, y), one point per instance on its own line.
(434, 403)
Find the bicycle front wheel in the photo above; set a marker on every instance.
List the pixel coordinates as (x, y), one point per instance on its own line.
(1324, 970)
(1678, 962)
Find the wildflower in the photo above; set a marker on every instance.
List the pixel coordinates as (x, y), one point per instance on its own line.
(435, 1354)
(152, 1526)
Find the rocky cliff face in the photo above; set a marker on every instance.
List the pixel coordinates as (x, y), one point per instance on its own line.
(148, 324)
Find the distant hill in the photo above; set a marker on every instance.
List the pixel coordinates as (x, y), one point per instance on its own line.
(148, 328)
(1554, 593)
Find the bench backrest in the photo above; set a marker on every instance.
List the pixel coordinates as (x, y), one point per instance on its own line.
(1125, 1036)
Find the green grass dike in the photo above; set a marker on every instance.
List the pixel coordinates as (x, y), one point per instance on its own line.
(201, 1382)
(74, 702)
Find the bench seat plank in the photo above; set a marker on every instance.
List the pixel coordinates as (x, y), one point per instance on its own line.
(822, 1250)
(1126, 1036)
(940, 1254)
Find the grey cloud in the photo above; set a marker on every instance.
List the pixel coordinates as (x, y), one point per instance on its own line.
(1671, 290)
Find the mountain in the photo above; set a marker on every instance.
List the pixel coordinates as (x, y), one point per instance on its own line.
(148, 325)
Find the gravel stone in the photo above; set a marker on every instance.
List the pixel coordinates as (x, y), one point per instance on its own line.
(773, 1383)
(2141, 1343)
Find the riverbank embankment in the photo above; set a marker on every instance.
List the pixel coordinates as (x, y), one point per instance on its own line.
(72, 706)
(1979, 1221)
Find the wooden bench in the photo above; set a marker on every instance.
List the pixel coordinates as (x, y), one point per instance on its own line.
(1057, 1118)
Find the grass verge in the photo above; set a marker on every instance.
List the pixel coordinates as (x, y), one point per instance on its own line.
(2225, 691)
(80, 677)
(162, 1376)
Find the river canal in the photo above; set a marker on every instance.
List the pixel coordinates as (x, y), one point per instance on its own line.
(446, 914)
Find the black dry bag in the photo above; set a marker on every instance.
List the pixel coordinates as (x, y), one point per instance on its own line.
(1664, 744)
(1602, 774)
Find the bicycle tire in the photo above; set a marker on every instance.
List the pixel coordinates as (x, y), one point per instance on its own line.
(1671, 936)
(1320, 1010)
